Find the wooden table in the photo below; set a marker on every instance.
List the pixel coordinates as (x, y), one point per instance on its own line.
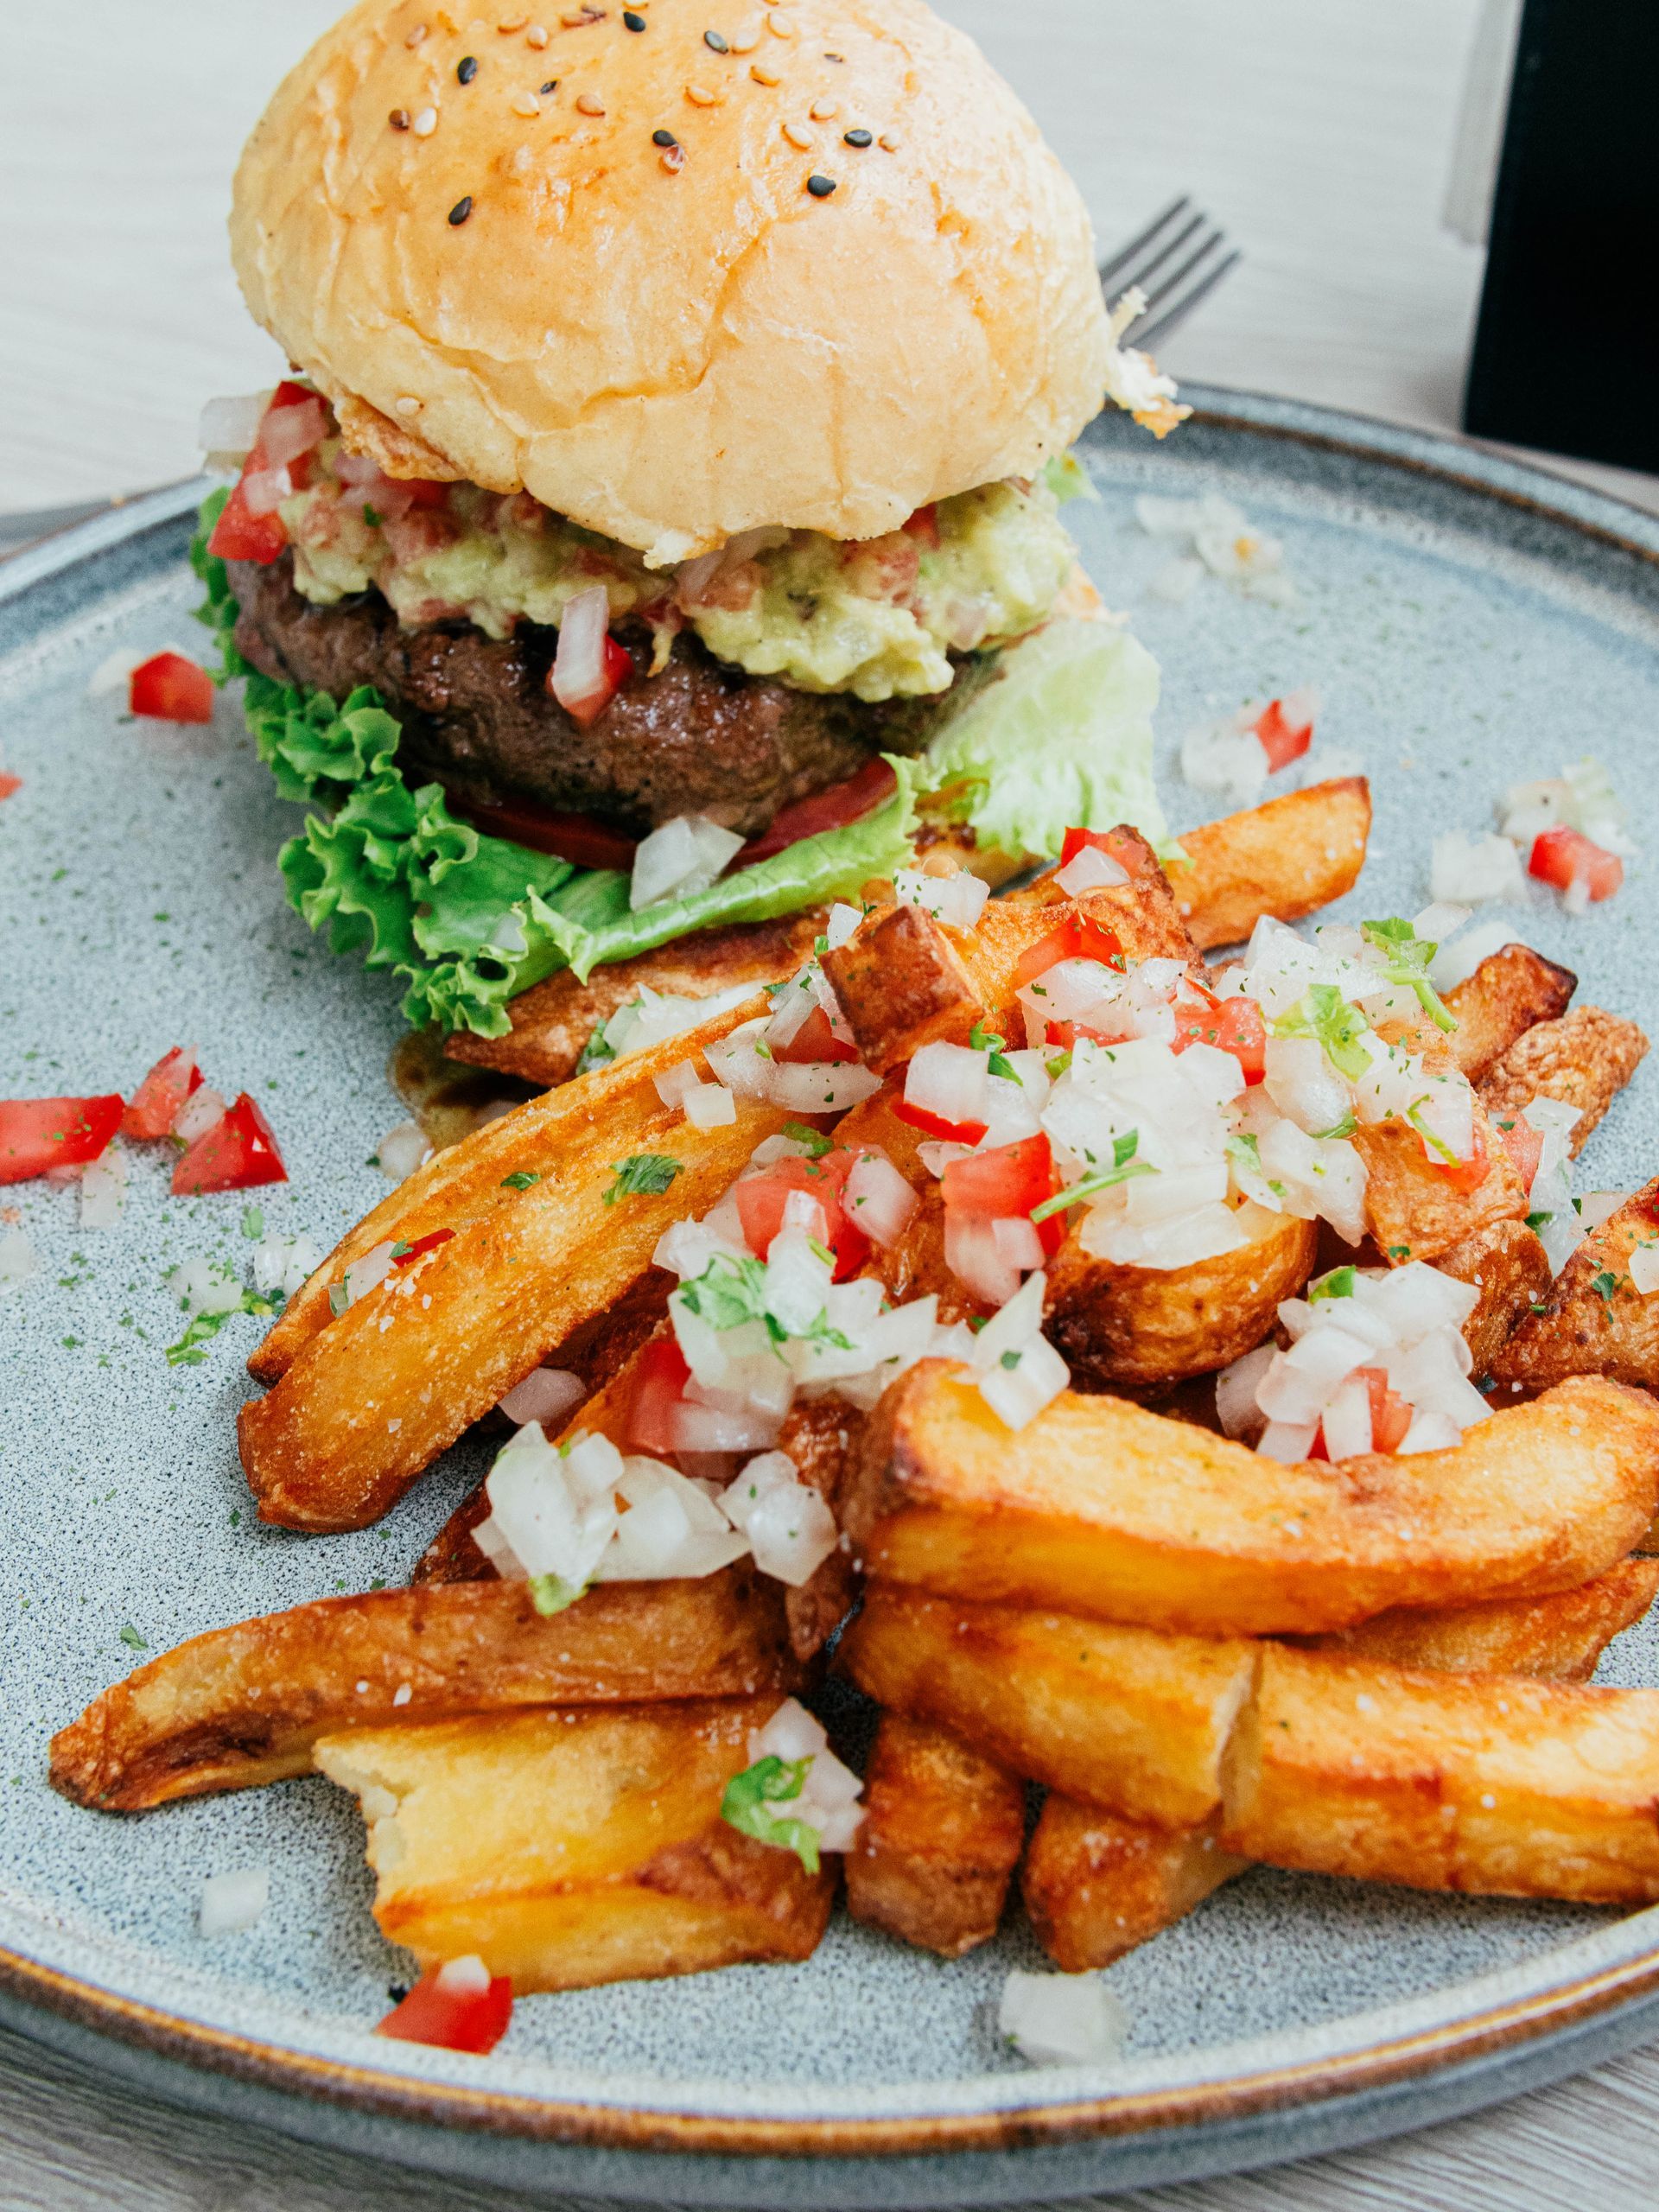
(1317, 131)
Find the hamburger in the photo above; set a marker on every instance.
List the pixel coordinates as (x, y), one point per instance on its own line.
(661, 528)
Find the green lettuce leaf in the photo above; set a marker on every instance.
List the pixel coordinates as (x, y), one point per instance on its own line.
(1062, 736)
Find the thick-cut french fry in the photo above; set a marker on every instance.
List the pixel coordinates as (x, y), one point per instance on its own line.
(1593, 1319)
(1101, 1508)
(613, 1110)
(1509, 1266)
(566, 1848)
(553, 1021)
(1414, 1209)
(1559, 1639)
(243, 1705)
(1444, 1782)
(1585, 1059)
(371, 1402)
(1145, 1329)
(1096, 1884)
(1287, 858)
(941, 1837)
(1512, 991)
(1127, 1718)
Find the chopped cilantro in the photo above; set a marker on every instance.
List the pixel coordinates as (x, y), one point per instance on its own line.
(731, 1291)
(339, 1298)
(595, 1051)
(1339, 1283)
(520, 1180)
(981, 1039)
(642, 1175)
(816, 1142)
(1535, 1221)
(131, 1638)
(1345, 1128)
(550, 1593)
(1413, 1115)
(187, 1352)
(1012, 1359)
(746, 1807)
(1604, 1285)
(1409, 955)
(371, 516)
(1399, 1251)
(1124, 1167)
(253, 1224)
(1323, 1014)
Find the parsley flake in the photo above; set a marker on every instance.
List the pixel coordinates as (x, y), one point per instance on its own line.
(746, 1807)
(1124, 1168)
(641, 1175)
(520, 1180)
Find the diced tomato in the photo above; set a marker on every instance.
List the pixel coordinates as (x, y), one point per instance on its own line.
(453, 2019)
(1464, 1175)
(37, 1135)
(156, 1105)
(236, 1154)
(860, 795)
(1006, 1183)
(761, 1200)
(1119, 844)
(1066, 1034)
(1390, 1413)
(171, 689)
(1232, 1026)
(9, 784)
(239, 535)
(573, 837)
(422, 1244)
(1563, 857)
(656, 1384)
(1285, 728)
(814, 1040)
(1077, 939)
(935, 1125)
(1524, 1144)
(288, 394)
(423, 491)
(923, 527)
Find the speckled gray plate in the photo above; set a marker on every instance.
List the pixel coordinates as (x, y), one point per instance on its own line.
(1468, 622)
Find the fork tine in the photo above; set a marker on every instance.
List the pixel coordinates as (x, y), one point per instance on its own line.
(1149, 267)
(1161, 326)
(1109, 268)
(1164, 292)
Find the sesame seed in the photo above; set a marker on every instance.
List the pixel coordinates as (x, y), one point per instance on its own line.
(672, 159)
(590, 104)
(574, 18)
(663, 138)
(822, 111)
(460, 212)
(700, 96)
(798, 135)
(551, 86)
(415, 35)
(820, 186)
(888, 143)
(634, 22)
(467, 69)
(764, 76)
(407, 404)
(714, 42)
(536, 36)
(425, 122)
(747, 39)
(834, 57)
(860, 138)
(526, 103)
(508, 24)
(398, 118)
(779, 26)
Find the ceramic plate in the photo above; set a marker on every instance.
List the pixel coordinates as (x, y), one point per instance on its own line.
(1468, 623)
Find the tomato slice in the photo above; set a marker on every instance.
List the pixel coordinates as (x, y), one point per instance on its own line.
(431, 1242)
(1390, 1413)
(1006, 1183)
(873, 785)
(1232, 1026)
(9, 784)
(1076, 939)
(935, 1125)
(1524, 1144)
(761, 1200)
(1563, 857)
(37, 1135)
(813, 1042)
(923, 527)
(1118, 844)
(239, 535)
(288, 394)
(157, 1104)
(656, 1384)
(1286, 731)
(1464, 1175)
(573, 837)
(237, 1154)
(454, 2019)
(170, 689)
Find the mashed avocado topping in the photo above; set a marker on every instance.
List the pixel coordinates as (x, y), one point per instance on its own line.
(878, 617)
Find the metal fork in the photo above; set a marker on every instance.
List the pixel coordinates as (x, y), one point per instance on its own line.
(1176, 261)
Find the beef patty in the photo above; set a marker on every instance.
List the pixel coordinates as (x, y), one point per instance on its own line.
(699, 737)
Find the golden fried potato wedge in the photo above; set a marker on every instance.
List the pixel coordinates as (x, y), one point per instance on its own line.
(1512, 991)
(942, 1833)
(553, 1021)
(1095, 1885)
(371, 1401)
(1145, 1329)
(1101, 1508)
(1127, 1718)
(1479, 1783)
(1593, 1319)
(1414, 1209)
(1287, 858)
(611, 1113)
(1558, 1638)
(1508, 1265)
(570, 1847)
(902, 983)
(244, 1704)
(1585, 1059)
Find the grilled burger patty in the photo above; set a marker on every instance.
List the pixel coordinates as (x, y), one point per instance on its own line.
(699, 737)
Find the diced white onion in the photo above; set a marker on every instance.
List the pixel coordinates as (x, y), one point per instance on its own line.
(878, 1199)
(1456, 962)
(790, 1529)
(288, 432)
(1347, 1419)
(103, 1190)
(18, 1260)
(231, 426)
(465, 1977)
(114, 671)
(1643, 1267)
(283, 1262)
(1018, 1394)
(709, 1106)
(957, 900)
(264, 489)
(1062, 2019)
(402, 1150)
(547, 1394)
(581, 682)
(949, 1080)
(683, 856)
(1224, 759)
(818, 1086)
(1288, 1441)
(1430, 1432)
(1236, 1387)
(363, 1275)
(975, 1257)
(199, 1111)
(1089, 869)
(232, 1901)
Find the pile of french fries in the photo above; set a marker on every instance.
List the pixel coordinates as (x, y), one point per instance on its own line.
(1205, 1657)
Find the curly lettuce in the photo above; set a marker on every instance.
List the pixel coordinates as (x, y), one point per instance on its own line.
(467, 921)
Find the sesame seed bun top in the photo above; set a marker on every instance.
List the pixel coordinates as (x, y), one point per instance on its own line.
(644, 263)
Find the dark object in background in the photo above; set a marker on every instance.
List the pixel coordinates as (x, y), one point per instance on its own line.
(1566, 346)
